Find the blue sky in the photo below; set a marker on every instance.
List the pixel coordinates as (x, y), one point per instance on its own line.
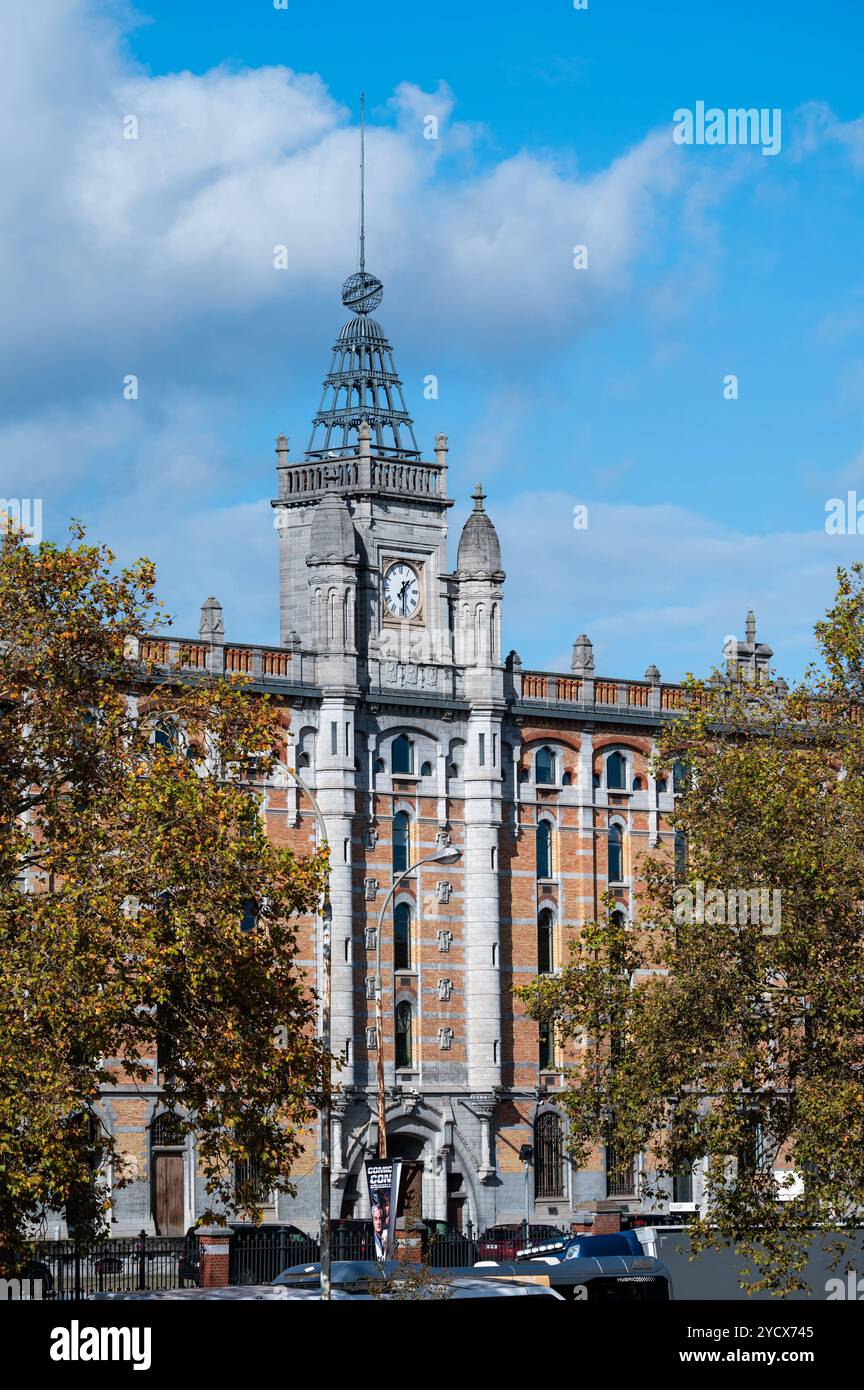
(556, 387)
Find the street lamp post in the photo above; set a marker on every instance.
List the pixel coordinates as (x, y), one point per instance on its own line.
(326, 1003)
(448, 855)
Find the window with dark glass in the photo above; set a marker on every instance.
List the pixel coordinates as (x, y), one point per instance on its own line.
(544, 766)
(546, 1054)
(545, 925)
(544, 849)
(249, 920)
(548, 1156)
(680, 777)
(403, 1034)
(401, 829)
(680, 855)
(403, 756)
(402, 937)
(616, 854)
(661, 787)
(616, 772)
(682, 1187)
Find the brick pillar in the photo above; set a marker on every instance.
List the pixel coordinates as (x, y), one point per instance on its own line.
(213, 1253)
(409, 1247)
(607, 1219)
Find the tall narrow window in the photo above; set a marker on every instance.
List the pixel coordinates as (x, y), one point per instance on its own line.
(548, 1156)
(544, 767)
(545, 925)
(544, 849)
(616, 854)
(680, 777)
(546, 1052)
(334, 738)
(680, 855)
(616, 772)
(402, 937)
(400, 841)
(403, 756)
(682, 1186)
(620, 1173)
(482, 749)
(403, 1034)
(249, 920)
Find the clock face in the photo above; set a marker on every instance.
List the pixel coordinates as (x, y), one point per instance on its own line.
(401, 590)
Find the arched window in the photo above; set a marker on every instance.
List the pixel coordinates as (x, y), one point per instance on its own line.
(403, 1034)
(379, 764)
(545, 929)
(544, 767)
(426, 770)
(401, 838)
(618, 917)
(166, 1131)
(661, 787)
(402, 937)
(616, 854)
(544, 849)
(637, 784)
(616, 772)
(548, 1156)
(567, 779)
(403, 756)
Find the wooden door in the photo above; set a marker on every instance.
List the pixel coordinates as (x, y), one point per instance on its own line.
(168, 1193)
(412, 1191)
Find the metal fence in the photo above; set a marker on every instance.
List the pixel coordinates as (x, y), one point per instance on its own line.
(67, 1271)
(142, 1262)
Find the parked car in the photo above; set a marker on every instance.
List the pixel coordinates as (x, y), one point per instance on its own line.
(504, 1242)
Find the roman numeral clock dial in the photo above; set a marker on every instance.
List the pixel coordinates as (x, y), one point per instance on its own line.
(401, 590)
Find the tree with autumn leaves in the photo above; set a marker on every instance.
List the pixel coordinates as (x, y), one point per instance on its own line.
(734, 1039)
(142, 906)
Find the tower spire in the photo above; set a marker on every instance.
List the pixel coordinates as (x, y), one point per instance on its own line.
(362, 182)
(362, 384)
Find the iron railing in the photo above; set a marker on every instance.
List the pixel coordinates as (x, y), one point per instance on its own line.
(68, 1270)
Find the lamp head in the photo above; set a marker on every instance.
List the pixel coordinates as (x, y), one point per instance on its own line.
(448, 855)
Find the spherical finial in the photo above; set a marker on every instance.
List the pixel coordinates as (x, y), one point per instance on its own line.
(362, 292)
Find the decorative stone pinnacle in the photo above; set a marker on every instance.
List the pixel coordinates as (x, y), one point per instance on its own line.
(479, 497)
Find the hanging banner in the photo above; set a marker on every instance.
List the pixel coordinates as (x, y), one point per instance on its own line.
(383, 1176)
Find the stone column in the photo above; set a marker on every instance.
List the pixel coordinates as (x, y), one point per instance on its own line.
(481, 919)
